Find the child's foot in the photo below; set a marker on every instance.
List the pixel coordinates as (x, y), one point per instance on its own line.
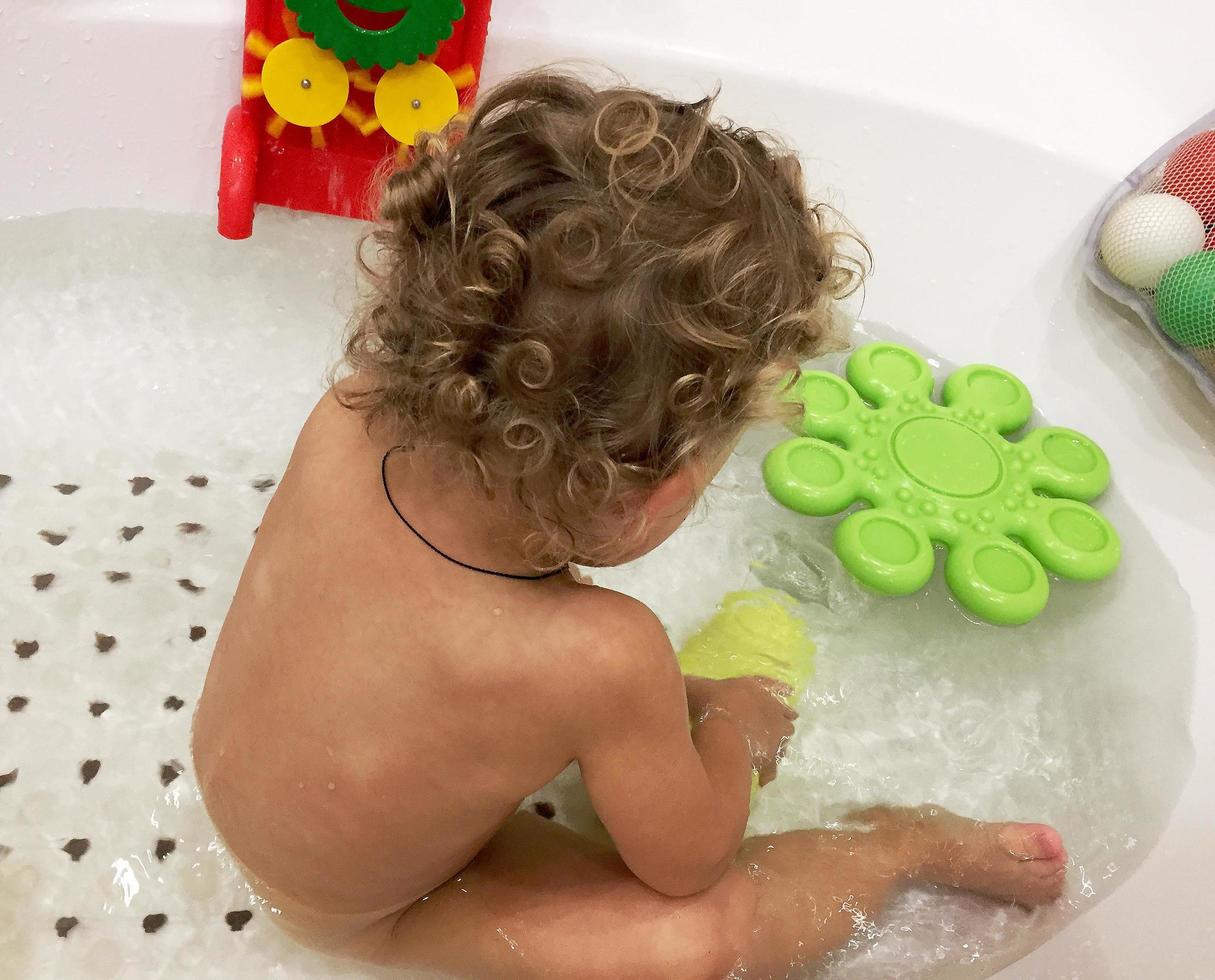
(1016, 862)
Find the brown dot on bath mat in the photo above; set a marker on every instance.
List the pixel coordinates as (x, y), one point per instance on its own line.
(76, 848)
(197, 481)
(189, 527)
(104, 642)
(25, 648)
(173, 703)
(65, 925)
(8, 777)
(238, 919)
(17, 703)
(164, 847)
(127, 533)
(153, 922)
(98, 708)
(67, 489)
(5, 851)
(116, 577)
(5, 480)
(197, 633)
(53, 538)
(545, 809)
(190, 587)
(89, 769)
(263, 483)
(169, 771)
(139, 484)
(43, 582)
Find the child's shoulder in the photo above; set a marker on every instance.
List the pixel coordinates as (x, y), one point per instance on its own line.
(622, 640)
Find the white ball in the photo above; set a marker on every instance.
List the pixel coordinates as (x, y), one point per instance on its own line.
(1145, 235)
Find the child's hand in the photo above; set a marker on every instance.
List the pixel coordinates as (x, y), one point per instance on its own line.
(754, 706)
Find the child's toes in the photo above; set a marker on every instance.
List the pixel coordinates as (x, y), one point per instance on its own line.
(1033, 842)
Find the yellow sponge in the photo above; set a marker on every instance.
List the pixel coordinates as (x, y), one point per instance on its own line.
(753, 633)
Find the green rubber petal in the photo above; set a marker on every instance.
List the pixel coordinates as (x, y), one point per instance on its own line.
(811, 476)
(418, 34)
(998, 580)
(946, 474)
(883, 372)
(885, 552)
(830, 406)
(990, 394)
(1073, 540)
(1066, 463)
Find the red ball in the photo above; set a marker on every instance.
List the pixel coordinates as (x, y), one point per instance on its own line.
(1190, 174)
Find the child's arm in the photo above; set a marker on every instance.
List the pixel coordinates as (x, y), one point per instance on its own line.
(675, 801)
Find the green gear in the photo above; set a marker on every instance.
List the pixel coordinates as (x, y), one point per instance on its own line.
(426, 23)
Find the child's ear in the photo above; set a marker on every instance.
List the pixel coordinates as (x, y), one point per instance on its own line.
(672, 497)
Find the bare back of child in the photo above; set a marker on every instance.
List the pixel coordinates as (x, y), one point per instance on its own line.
(579, 304)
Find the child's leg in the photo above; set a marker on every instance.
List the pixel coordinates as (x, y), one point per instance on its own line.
(815, 888)
(540, 900)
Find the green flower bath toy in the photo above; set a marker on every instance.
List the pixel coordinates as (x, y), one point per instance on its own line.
(1006, 511)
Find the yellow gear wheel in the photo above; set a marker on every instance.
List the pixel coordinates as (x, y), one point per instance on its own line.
(303, 84)
(413, 99)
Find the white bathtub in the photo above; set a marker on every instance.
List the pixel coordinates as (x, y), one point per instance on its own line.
(970, 143)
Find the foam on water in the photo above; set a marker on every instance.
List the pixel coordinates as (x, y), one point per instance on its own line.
(138, 345)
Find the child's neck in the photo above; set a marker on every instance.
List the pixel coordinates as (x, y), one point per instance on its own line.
(454, 515)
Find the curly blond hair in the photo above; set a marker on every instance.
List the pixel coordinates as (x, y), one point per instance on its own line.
(578, 291)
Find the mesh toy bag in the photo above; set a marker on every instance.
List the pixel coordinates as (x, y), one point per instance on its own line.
(1152, 247)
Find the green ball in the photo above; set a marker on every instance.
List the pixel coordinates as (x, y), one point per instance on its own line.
(1185, 300)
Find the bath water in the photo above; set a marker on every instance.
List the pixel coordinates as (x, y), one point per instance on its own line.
(153, 379)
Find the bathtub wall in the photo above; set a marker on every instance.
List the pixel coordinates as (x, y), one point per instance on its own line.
(121, 102)
(970, 142)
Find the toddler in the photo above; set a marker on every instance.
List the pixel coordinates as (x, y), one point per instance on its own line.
(577, 303)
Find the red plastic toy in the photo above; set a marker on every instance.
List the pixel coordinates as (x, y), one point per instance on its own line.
(333, 90)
